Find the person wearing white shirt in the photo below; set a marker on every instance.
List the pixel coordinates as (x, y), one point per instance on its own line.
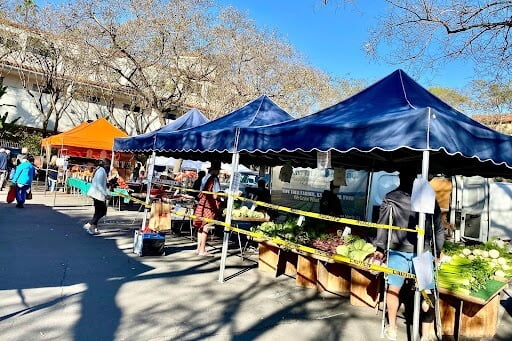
(99, 194)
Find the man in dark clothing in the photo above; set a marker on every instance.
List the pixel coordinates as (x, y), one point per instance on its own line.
(4, 161)
(402, 247)
(261, 193)
(330, 202)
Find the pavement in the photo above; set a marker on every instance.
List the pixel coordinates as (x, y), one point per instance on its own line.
(59, 283)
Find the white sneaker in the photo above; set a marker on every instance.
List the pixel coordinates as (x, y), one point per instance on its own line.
(86, 226)
(97, 231)
(88, 230)
(390, 333)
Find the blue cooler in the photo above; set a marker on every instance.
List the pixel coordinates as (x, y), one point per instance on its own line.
(149, 244)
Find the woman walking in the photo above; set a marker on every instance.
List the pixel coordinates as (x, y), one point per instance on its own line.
(22, 179)
(99, 194)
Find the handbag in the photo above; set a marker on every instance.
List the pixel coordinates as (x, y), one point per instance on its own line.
(11, 194)
(29, 194)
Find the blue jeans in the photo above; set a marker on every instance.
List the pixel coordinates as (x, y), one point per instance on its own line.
(3, 177)
(51, 184)
(21, 193)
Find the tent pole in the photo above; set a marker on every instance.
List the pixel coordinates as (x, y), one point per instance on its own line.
(112, 160)
(421, 242)
(48, 157)
(42, 164)
(368, 197)
(229, 211)
(232, 185)
(151, 166)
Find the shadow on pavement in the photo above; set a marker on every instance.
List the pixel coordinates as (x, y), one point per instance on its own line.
(123, 297)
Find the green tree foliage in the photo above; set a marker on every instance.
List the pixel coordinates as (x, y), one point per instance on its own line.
(8, 130)
(26, 8)
(457, 99)
(493, 97)
(32, 141)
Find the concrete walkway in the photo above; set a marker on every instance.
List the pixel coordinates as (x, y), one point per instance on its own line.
(58, 283)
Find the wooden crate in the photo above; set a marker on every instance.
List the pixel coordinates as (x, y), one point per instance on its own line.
(469, 319)
(480, 321)
(333, 278)
(268, 258)
(287, 263)
(450, 308)
(306, 271)
(364, 288)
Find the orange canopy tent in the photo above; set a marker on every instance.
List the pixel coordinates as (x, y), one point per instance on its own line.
(89, 140)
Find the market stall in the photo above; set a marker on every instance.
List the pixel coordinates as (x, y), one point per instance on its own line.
(258, 112)
(216, 138)
(92, 140)
(89, 140)
(144, 143)
(393, 123)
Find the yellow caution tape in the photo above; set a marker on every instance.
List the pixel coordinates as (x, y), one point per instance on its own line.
(314, 215)
(328, 217)
(426, 298)
(288, 244)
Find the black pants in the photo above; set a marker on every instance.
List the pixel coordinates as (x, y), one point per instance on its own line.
(100, 210)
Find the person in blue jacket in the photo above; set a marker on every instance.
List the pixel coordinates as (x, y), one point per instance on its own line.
(22, 179)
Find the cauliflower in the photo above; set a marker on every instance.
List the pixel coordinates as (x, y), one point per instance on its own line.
(502, 261)
(499, 273)
(466, 252)
(494, 254)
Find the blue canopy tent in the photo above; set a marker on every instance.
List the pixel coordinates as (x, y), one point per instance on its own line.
(145, 142)
(218, 136)
(392, 124)
(384, 127)
(217, 139)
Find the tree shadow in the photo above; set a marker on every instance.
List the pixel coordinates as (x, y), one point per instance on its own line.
(173, 297)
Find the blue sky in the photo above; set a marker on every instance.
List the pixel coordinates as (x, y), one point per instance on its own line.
(332, 37)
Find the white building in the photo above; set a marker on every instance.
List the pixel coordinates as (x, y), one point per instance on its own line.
(28, 68)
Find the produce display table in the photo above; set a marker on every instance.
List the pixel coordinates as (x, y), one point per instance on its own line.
(81, 185)
(309, 270)
(471, 316)
(333, 278)
(121, 192)
(364, 288)
(306, 271)
(268, 257)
